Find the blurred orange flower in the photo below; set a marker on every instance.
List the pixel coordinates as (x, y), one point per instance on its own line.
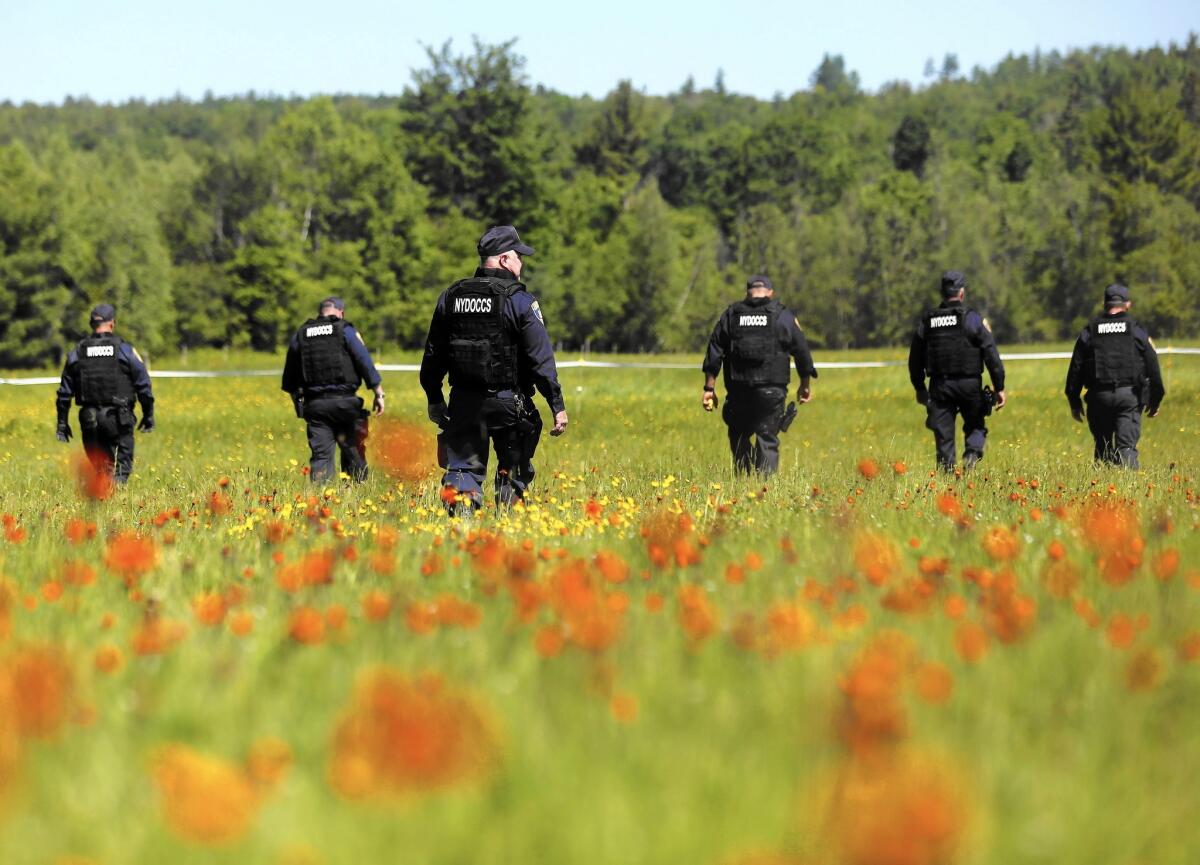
(205, 799)
(130, 556)
(403, 735)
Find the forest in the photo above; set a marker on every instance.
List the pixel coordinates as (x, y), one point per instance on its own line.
(221, 221)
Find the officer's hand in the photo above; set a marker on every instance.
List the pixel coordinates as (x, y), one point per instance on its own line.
(377, 406)
(437, 413)
(63, 433)
(1077, 413)
(1152, 412)
(146, 424)
(922, 397)
(709, 400)
(560, 423)
(1000, 400)
(804, 395)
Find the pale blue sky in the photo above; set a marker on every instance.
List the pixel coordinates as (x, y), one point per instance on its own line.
(115, 50)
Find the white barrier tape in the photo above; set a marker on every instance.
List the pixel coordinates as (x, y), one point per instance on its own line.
(572, 364)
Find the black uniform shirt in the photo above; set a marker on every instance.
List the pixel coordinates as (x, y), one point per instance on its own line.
(978, 335)
(293, 371)
(786, 328)
(535, 356)
(131, 365)
(1079, 358)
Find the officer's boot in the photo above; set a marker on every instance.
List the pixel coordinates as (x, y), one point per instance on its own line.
(970, 458)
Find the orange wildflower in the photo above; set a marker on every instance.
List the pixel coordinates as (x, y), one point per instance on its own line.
(868, 468)
(1061, 578)
(219, 504)
(909, 809)
(306, 626)
(948, 505)
(697, 616)
(268, 762)
(130, 556)
(78, 573)
(1166, 564)
(549, 641)
(934, 682)
(971, 642)
(403, 449)
(94, 481)
(108, 659)
(1001, 544)
(402, 735)
(335, 617)
(611, 566)
(1189, 647)
(51, 591)
(42, 690)
(376, 605)
(209, 609)
(624, 707)
(876, 557)
(157, 635)
(77, 531)
(205, 799)
(1121, 631)
(241, 623)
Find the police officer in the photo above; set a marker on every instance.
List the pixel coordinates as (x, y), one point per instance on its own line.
(754, 340)
(326, 362)
(104, 375)
(489, 336)
(1115, 360)
(952, 344)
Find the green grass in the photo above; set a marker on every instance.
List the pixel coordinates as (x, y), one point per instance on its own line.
(1064, 764)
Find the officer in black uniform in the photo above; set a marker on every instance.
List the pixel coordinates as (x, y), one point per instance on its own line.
(489, 336)
(952, 344)
(756, 340)
(104, 375)
(326, 362)
(1116, 361)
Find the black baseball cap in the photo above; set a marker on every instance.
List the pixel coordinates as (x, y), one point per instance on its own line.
(501, 238)
(1116, 294)
(952, 281)
(103, 312)
(760, 281)
(336, 302)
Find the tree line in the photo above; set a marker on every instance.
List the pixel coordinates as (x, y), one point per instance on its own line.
(220, 222)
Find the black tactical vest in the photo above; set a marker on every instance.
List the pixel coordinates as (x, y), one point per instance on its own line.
(948, 350)
(483, 350)
(757, 355)
(102, 380)
(324, 358)
(1114, 360)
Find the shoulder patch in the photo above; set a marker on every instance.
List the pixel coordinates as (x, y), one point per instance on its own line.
(537, 310)
(360, 339)
(1150, 340)
(986, 324)
(138, 356)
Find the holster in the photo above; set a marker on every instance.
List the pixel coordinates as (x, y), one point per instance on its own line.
(789, 415)
(989, 399)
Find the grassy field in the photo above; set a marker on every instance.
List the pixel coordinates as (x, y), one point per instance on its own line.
(857, 663)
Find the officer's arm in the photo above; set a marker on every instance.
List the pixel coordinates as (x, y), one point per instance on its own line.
(139, 375)
(982, 337)
(66, 390)
(1075, 375)
(1153, 373)
(718, 345)
(292, 379)
(363, 365)
(535, 346)
(433, 363)
(916, 361)
(800, 353)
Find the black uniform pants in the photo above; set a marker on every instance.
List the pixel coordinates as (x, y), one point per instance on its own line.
(513, 427)
(336, 422)
(949, 398)
(107, 436)
(754, 415)
(1115, 419)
